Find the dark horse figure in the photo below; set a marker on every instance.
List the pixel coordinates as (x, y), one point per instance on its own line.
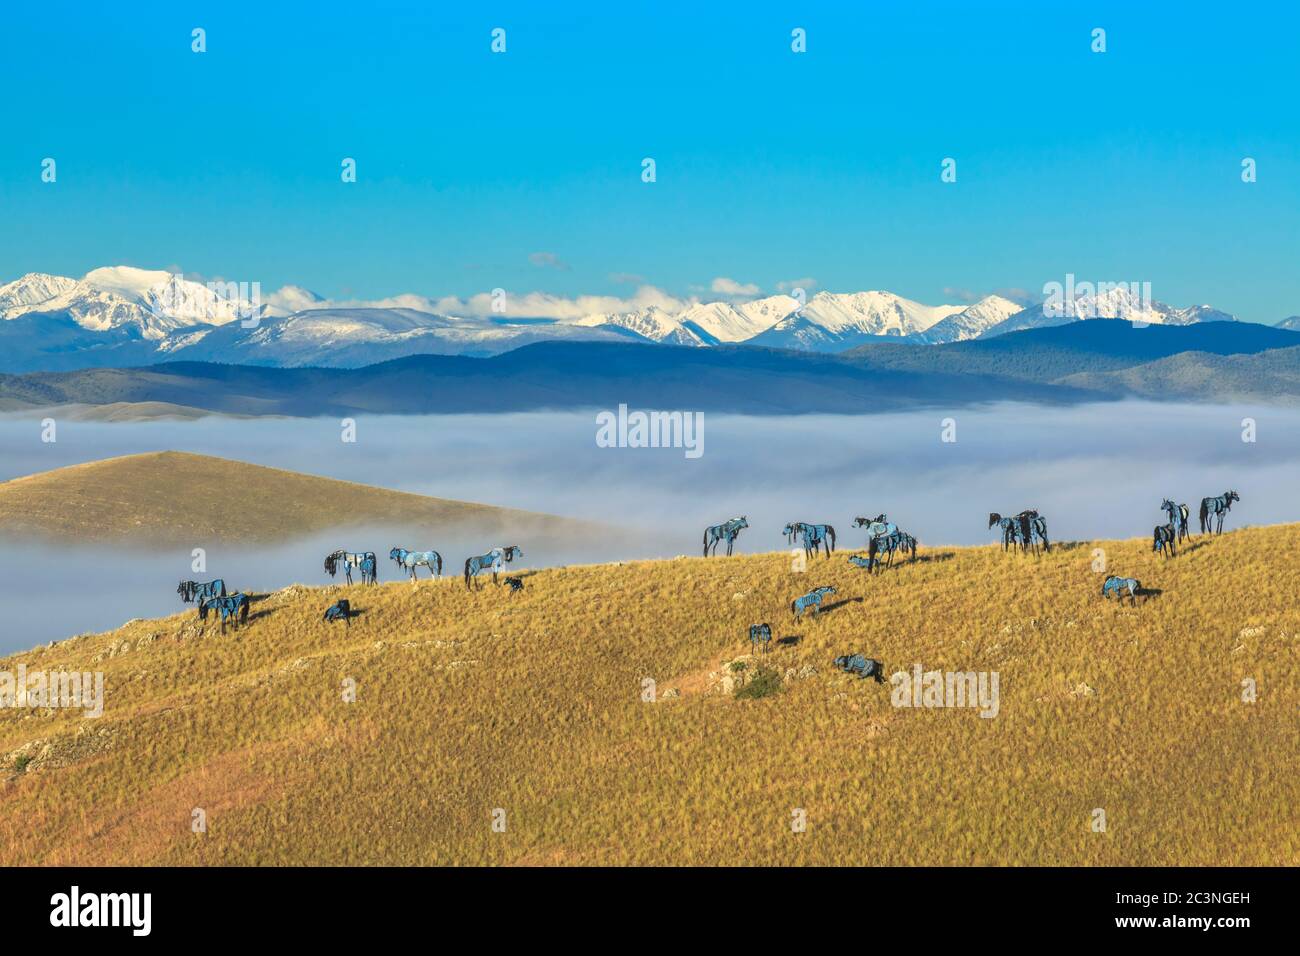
(1162, 540)
(815, 536)
(1213, 510)
(232, 606)
(340, 610)
(760, 634)
(190, 591)
(728, 531)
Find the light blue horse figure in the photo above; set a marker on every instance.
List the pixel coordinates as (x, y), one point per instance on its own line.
(350, 560)
(493, 560)
(815, 536)
(410, 560)
(760, 636)
(728, 531)
(876, 526)
(862, 561)
(1178, 515)
(1117, 586)
(1213, 510)
(191, 591)
(813, 599)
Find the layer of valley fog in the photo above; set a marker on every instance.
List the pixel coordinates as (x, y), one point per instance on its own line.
(1095, 471)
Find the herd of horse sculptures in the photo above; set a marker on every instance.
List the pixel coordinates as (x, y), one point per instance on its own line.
(1026, 532)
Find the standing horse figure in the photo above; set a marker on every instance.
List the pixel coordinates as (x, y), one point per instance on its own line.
(887, 544)
(192, 590)
(813, 599)
(410, 560)
(1117, 586)
(727, 531)
(233, 606)
(494, 560)
(1216, 508)
(1162, 540)
(1177, 515)
(760, 634)
(1010, 527)
(814, 536)
(350, 560)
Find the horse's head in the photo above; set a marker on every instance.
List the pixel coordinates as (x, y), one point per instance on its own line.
(332, 563)
(1232, 496)
(186, 590)
(788, 531)
(397, 554)
(994, 518)
(742, 522)
(511, 552)
(859, 522)
(1167, 505)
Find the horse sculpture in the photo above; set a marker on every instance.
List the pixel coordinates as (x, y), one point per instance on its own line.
(888, 544)
(232, 606)
(814, 536)
(862, 666)
(410, 560)
(1216, 508)
(493, 560)
(1162, 540)
(1177, 515)
(193, 590)
(813, 599)
(876, 526)
(363, 560)
(340, 610)
(728, 531)
(1026, 529)
(760, 634)
(515, 584)
(1117, 586)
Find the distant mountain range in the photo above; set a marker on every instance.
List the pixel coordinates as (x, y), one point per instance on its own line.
(1097, 360)
(122, 317)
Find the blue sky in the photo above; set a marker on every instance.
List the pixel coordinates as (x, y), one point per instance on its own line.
(772, 166)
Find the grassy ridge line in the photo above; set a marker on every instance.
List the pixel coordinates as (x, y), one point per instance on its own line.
(471, 701)
(221, 499)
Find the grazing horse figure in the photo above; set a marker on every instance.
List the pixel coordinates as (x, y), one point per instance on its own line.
(815, 536)
(1117, 586)
(350, 560)
(862, 666)
(727, 531)
(813, 599)
(410, 560)
(340, 610)
(516, 584)
(1177, 515)
(192, 590)
(1162, 540)
(878, 525)
(494, 560)
(233, 606)
(862, 561)
(760, 634)
(1212, 508)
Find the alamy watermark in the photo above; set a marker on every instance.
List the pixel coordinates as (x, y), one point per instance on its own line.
(1083, 299)
(947, 689)
(70, 689)
(638, 429)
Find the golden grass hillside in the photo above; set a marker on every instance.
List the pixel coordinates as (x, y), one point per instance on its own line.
(177, 497)
(466, 703)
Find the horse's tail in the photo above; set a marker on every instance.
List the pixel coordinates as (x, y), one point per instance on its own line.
(706, 542)
(243, 610)
(830, 532)
(467, 563)
(1205, 514)
(438, 558)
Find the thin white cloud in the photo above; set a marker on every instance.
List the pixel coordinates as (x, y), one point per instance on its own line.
(724, 286)
(547, 260)
(806, 284)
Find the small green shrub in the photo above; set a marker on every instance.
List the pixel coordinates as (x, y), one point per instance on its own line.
(764, 683)
(20, 763)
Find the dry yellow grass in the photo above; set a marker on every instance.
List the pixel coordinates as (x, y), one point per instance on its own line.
(176, 497)
(532, 704)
